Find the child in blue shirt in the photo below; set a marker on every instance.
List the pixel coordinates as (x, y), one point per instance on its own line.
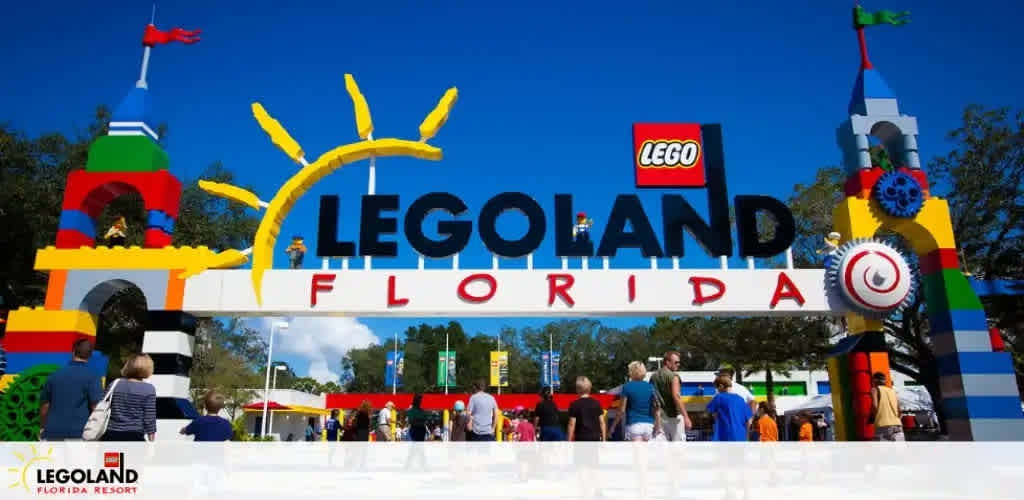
(731, 412)
(210, 427)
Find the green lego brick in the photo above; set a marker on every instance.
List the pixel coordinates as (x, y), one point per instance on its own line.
(126, 153)
(949, 290)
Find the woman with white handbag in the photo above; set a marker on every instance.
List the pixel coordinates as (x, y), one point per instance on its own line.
(128, 411)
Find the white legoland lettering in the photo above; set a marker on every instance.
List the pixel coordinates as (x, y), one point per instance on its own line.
(669, 154)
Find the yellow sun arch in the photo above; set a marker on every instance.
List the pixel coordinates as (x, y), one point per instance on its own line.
(281, 204)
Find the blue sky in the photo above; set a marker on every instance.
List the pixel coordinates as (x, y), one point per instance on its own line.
(547, 94)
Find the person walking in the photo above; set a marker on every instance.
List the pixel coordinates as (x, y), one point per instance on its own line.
(333, 426)
(546, 418)
(133, 403)
(311, 432)
(69, 396)
(363, 422)
(585, 422)
(457, 422)
(639, 406)
(806, 432)
(210, 427)
(668, 388)
(767, 428)
(732, 415)
(525, 431)
(384, 422)
(737, 388)
(483, 413)
(885, 410)
(417, 419)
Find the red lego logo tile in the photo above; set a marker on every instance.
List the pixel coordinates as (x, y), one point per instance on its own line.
(668, 155)
(112, 459)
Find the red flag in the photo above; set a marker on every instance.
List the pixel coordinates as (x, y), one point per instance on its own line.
(153, 36)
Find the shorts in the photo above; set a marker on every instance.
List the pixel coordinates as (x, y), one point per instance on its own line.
(889, 433)
(673, 428)
(384, 433)
(552, 434)
(643, 430)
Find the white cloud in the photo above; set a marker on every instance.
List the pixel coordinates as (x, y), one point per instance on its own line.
(322, 341)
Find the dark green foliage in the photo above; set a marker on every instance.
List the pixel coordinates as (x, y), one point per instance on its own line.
(19, 404)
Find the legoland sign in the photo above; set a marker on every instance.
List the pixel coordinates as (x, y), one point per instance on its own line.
(677, 155)
(666, 155)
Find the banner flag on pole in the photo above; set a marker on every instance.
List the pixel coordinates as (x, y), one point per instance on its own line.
(446, 365)
(390, 376)
(548, 367)
(153, 36)
(499, 368)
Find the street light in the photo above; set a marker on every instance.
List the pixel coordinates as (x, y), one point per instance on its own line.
(281, 325)
(277, 368)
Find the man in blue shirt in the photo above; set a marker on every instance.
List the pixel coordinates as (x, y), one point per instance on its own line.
(69, 396)
(732, 415)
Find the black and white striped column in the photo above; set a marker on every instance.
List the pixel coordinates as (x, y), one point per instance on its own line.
(169, 340)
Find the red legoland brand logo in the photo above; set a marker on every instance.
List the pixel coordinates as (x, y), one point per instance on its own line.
(668, 155)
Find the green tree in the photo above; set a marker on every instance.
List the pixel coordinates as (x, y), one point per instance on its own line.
(219, 365)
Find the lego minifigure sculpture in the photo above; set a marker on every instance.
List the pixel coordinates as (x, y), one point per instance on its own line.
(296, 251)
(116, 234)
(830, 249)
(581, 230)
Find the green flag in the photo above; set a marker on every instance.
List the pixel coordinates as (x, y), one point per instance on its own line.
(862, 18)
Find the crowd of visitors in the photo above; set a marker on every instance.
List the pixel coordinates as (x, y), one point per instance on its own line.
(645, 411)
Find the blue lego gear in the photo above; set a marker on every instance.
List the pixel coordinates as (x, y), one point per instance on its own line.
(899, 194)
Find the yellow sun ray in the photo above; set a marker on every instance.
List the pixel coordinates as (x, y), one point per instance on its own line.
(35, 452)
(19, 456)
(14, 485)
(233, 193)
(364, 123)
(278, 135)
(435, 120)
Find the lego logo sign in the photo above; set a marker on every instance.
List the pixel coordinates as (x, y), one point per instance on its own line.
(112, 460)
(668, 155)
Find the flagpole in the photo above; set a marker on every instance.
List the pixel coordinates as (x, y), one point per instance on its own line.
(499, 363)
(394, 372)
(371, 189)
(447, 361)
(551, 363)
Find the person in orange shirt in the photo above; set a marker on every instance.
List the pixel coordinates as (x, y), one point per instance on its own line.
(806, 429)
(766, 426)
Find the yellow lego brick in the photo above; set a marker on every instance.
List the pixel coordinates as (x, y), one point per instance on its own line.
(192, 260)
(857, 324)
(6, 380)
(930, 230)
(39, 319)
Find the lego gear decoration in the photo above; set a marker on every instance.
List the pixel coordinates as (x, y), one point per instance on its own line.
(899, 194)
(19, 406)
(872, 277)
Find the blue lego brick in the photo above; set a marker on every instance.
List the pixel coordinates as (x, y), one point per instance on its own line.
(18, 362)
(997, 287)
(983, 407)
(967, 363)
(160, 220)
(78, 221)
(135, 107)
(957, 319)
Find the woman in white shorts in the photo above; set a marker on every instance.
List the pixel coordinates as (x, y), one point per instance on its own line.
(640, 407)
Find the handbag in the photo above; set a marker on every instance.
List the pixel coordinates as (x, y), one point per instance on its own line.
(96, 426)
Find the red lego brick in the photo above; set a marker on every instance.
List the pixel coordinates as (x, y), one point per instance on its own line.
(921, 177)
(156, 238)
(69, 238)
(937, 260)
(43, 341)
(861, 182)
(90, 192)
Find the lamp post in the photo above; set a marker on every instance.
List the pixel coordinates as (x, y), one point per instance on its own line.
(280, 325)
(277, 368)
